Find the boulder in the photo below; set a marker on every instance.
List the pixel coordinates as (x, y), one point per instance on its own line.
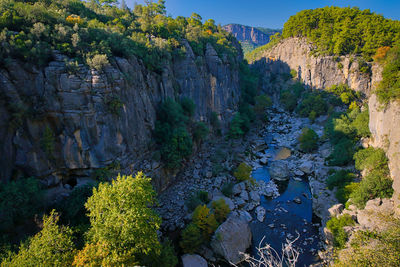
(238, 188)
(255, 196)
(260, 211)
(231, 239)
(264, 160)
(336, 210)
(306, 167)
(244, 195)
(279, 170)
(193, 260)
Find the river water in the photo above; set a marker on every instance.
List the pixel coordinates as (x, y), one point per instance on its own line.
(284, 218)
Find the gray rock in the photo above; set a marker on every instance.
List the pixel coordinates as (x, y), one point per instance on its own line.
(227, 200)
(306, 167)
(238, 188)
(193, 260)
(244, 195)
(279, 170)
(231, 239)
(336, 210)
(260, 212)
(254, 196)
(297, 200)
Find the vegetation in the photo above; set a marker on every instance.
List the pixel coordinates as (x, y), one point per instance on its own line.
(335, 225)
(123, 226)
(376, 183)
(220, 209)
(343, 31)
(243, 172)
(389, 88)
(52, 246)
(343, 181)
(376, 248)
(191, 239)
(197, 199)
(93, 32)
(227, 189)
(308, 140)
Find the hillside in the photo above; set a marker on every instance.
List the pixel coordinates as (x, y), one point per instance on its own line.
(250, 37)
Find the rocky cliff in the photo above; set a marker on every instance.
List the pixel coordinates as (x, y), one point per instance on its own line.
(315, 71)
(59, 124)
(384, 124)
(248, 34)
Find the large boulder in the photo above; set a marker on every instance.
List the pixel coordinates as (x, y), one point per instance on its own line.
(231, 239)
(193, 260)
(279, 170)
(306, 167)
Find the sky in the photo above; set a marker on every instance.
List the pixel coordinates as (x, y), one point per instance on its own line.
(266, 13)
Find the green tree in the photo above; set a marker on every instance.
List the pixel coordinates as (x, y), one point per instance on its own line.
(121, 219)
(191, 238)
(308, 140)
(243, 172)
(52, 246)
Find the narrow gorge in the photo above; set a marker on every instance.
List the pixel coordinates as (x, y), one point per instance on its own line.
(129, 137)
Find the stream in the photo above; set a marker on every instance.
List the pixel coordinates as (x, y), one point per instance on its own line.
(285, 218)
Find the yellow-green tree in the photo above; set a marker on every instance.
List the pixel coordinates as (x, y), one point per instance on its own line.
(123, 225)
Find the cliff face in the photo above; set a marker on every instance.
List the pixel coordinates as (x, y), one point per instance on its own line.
(316, 72)
(384, 124)
(249, 34)
(59, 125)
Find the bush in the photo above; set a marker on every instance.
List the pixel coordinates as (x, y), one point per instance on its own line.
(220, 209)
(308, 140)
(191, 239)
(227, 189)
(239, 126)
(20, 200)
(342, 153)
(200, 131)
(293, 73)
(205, 220)
(340, 179)
(262, 102)
(289, 100)
(389, 88)
(374, 185)
(197, 199)
(343, 193)
(243, 172)
(98, 62)
(335, 225)
(371, 158)
(188, 106)
(312, 102)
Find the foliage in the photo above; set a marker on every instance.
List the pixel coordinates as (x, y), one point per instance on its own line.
(389, 87)
(335, 225)
(220, 209)
(191, 238)
(374, 248)
(343, 31)
(243, 172)
(114, 105)
(227, 189)
(343, 193)
(308, 140)
(188, 106)
(48, 141)
(123, 225)
(19, 201)
(262, 102)
(98, 62)
(344, 92)
(198, 198)
(52, 246)
(293, 73)
(205, 220)
(312, 102)
(371, 158)
(238, 126)
(342, 153)
(259, 51)
(214, 120)
(171, 133)
(166, 258)
(340, 179)
(94, 31)
(289, 100)
(200, 131)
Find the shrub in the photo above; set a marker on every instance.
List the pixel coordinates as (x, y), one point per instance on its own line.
(220, 209)
(188, 106)
(342, 153)
(289, 100)
(191, 239)
(374, 185)
(227, 189)
(340, 179)
(361, 123)
(19, 201)
(308, 140)
(371, 158)
(312, 102)
(98, 62)
(335, 225)
(293, 73)
(197, 199)
(238, 126)
(243, 172)
(48, 141)
(262, 102)
(114, 105)
(205, 220)
(44, 248)
(166, 258)
(389, 88)
(200, 131)
(343, 193)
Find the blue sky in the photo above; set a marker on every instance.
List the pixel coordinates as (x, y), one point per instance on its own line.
(267, 13)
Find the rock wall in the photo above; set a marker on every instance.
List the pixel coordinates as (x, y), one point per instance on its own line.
(60, 125)
(384, 124)
(317, 72)
(249, 34)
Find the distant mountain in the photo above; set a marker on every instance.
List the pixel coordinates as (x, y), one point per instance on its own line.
(250, 37)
